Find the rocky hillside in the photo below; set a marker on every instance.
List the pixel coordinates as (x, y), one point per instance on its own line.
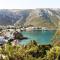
(10, 17)
(31, 17)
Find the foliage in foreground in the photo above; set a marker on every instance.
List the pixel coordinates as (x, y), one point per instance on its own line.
(31, 51)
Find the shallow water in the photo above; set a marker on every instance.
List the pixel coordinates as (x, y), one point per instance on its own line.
(42, 37)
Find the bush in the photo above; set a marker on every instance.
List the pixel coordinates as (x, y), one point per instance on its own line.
(31, 51)
(54, 53)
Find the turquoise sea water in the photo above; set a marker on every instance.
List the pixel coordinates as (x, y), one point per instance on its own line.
(42, 37)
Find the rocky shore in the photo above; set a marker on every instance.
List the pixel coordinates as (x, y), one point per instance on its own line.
(10, 36)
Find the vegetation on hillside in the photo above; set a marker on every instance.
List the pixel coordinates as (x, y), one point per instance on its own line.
(31, 51)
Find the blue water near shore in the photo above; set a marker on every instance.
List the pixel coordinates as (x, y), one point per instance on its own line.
(42, 37)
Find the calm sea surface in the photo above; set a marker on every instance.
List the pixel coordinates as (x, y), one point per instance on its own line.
(42, 37)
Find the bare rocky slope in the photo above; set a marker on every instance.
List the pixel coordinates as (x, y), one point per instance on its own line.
(31, 17)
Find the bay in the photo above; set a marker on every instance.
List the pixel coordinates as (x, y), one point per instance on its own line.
(41, 37)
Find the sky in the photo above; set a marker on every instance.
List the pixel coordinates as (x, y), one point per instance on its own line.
(29, 4)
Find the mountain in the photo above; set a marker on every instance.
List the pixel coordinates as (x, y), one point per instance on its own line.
(42, 18)
(30, 17)
(9, 17)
